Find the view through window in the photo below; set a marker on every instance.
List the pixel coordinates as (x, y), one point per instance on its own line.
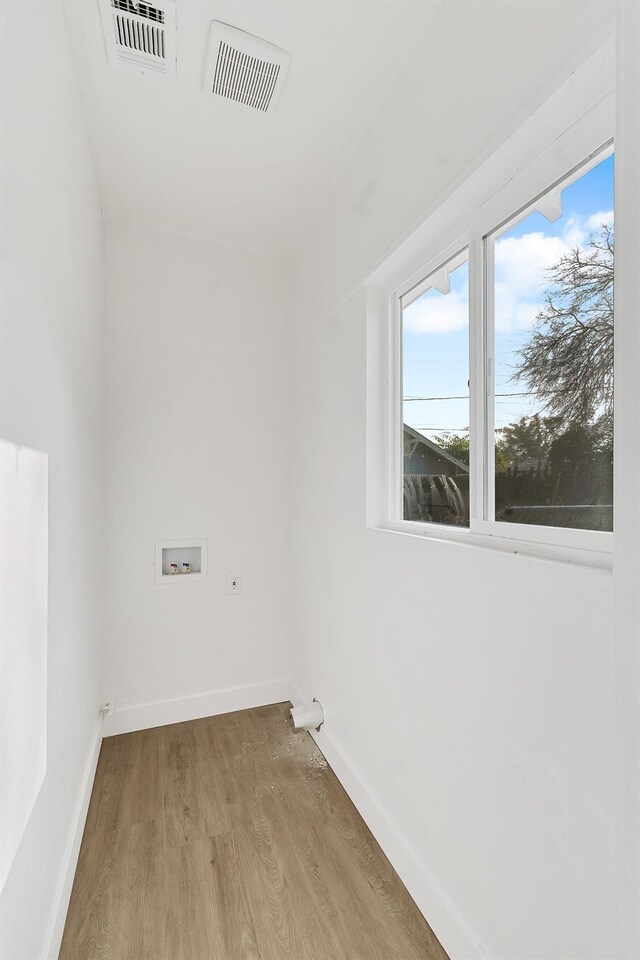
(553, 395)
(550, 296)
(435, 395)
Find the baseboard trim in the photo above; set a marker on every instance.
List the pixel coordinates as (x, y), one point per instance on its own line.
(72, 848)
(162, 712)
(440, 913)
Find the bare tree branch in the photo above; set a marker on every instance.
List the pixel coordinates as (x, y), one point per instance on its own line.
(568, 361)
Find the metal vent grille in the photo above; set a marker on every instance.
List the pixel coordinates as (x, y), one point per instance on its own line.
(243, 78)
(244, 69)
(144, 10)
(138, 37)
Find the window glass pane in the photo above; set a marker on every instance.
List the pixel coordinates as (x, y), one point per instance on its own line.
(554, 359)
(435, 375)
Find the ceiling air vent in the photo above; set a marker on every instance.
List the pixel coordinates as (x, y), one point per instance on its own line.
(244, 68)
(140, 36)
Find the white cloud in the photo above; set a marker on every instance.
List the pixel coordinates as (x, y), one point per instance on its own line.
(596, 220)
(525, 259)
(437, 314)
(521, 265)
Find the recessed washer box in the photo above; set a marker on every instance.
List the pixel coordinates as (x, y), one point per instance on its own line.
(181, 552)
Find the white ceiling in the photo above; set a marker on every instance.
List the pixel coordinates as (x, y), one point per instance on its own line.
(174, 155)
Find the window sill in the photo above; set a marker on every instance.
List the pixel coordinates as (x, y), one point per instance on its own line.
(592, 560)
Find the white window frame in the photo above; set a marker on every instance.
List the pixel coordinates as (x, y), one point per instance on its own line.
(396, 439)
(567, 155)
(484, 521)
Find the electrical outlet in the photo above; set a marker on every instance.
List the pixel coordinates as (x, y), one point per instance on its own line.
(234, 583)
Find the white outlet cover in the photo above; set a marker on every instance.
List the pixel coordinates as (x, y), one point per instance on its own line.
(234, 583)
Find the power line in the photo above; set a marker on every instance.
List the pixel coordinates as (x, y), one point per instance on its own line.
(447, 429)
(466, 397)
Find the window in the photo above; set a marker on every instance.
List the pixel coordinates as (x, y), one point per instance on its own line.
(552, 298)
(505, 369)
(435, 428)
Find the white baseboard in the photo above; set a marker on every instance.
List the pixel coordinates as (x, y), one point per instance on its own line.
(440, 913)
(72, 849)
(161, 712)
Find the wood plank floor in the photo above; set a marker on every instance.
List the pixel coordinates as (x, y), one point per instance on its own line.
(230, 838)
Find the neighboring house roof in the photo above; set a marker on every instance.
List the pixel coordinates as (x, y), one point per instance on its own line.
(420, 438)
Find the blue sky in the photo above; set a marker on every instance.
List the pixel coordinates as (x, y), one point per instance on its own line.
(436, 326)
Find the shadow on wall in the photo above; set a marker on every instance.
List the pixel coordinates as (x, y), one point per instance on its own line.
(23, 630)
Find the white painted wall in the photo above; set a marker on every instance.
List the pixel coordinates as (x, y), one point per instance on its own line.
(24, 595)
(473, 692)
(51, 400)
(197, 448)
(627, 466)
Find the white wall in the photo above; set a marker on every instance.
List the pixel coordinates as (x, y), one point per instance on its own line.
(471, 691)
(485, 680)
(51, 400)
(197, 448)
(627, 466)
(24, 596)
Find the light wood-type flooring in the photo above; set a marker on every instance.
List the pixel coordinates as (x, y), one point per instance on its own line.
(230, 838)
